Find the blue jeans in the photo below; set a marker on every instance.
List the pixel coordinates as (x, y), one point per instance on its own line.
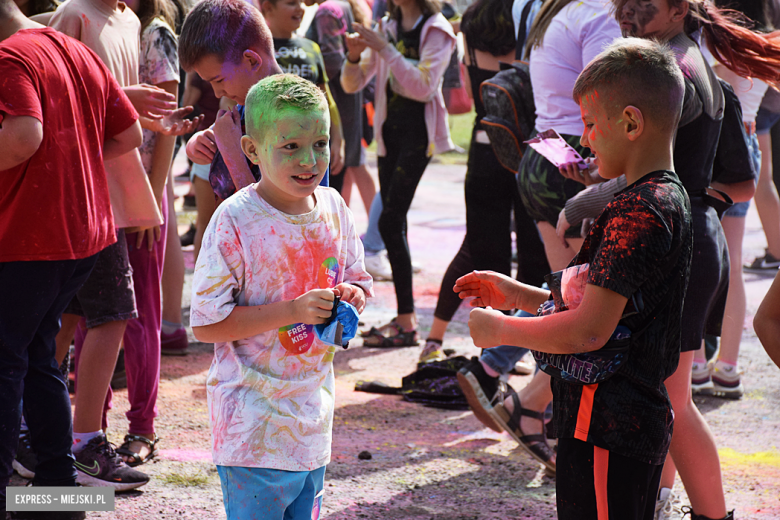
(271, 494)
(502, 359)
(740, 209)
(34, 296)
(372, 240)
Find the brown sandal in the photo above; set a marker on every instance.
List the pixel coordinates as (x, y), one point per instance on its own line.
(136, 459)
(535, 444)
(389, 336)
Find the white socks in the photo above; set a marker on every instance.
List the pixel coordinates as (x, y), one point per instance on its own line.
(80, 440)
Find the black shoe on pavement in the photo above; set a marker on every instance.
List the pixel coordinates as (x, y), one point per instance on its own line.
(25, 460)
(766, 264)
(98, 465)
(482, 392)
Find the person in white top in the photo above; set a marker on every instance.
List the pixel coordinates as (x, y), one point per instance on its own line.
(564, 37)
(274, 257)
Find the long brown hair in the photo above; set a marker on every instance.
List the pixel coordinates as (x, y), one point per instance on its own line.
(541, 22)
(148, 10)
(731, 41)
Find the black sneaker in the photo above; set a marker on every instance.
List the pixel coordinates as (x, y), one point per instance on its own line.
(482, 392)
(188, 238)
(766, 264)
(98, 465)
(25, 460)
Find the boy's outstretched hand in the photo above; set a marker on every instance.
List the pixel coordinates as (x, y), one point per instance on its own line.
(485, 327)
(313, 307)
(175, 123)
(351, 294)
(150, 101)
(489, 289)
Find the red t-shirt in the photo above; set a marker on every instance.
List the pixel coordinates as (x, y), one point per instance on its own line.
(55, 205)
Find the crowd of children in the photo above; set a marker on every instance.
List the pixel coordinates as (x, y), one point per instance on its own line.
(617, 331)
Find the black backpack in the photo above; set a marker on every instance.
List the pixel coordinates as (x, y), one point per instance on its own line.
(510, 112)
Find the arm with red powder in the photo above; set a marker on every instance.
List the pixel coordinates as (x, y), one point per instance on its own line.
(584, 329)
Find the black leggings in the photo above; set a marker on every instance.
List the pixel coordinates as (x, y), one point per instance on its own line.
(491, 194)
(400, 171)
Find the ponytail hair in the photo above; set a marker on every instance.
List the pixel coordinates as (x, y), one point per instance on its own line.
(546, 13)
(731, 41)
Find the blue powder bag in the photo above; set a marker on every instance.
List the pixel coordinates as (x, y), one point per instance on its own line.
(341, 326)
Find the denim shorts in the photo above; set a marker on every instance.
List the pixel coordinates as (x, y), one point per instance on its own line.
(740, 209)
(765, 120)
(271, 494)
(200, 171)
(108, 294)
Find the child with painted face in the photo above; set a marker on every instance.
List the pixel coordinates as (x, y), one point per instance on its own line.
(613, 436)
(274, 257)
(228, 44)
(698, 161)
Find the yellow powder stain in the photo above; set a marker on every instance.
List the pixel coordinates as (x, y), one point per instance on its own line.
(729, 456)
(221, 281)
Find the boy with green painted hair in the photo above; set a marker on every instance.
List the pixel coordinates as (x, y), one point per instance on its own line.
(274, 257)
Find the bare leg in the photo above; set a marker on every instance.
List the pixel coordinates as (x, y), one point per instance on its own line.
(558, 255)
(365, 183)
(693, 450)
(736, 301)
(205, 204)
(346, 187)
(535, 396)
(96, 367)
(767, 200)
(173, 270)
(65, 336)
(407, 321)
(438, 328)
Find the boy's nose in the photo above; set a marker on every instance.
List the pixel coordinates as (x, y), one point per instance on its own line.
(584, 140)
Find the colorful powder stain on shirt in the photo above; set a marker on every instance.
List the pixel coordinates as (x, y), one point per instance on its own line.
(271, 396)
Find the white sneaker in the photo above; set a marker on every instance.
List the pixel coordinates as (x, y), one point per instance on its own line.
(701, 379)
(378, 266)
(663, 505)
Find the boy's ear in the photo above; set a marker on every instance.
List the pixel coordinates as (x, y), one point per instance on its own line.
(253, 59)
(249, 148)
(634, 122)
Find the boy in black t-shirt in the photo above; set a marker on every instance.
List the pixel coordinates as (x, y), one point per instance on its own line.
(613, 435)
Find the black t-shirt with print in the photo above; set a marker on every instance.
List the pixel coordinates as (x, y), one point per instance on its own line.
(400, 108)
(301, 57)
(641, 242)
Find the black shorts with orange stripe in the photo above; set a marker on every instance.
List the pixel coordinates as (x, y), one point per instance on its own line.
(595, 484)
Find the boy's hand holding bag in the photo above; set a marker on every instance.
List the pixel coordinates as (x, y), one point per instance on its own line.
(567, 288)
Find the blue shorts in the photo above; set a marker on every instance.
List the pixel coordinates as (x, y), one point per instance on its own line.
(201, 171)
(740, 209)
(271, 494)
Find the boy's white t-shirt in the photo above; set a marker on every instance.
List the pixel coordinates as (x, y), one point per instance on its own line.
(576, 35)
(271, 396)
